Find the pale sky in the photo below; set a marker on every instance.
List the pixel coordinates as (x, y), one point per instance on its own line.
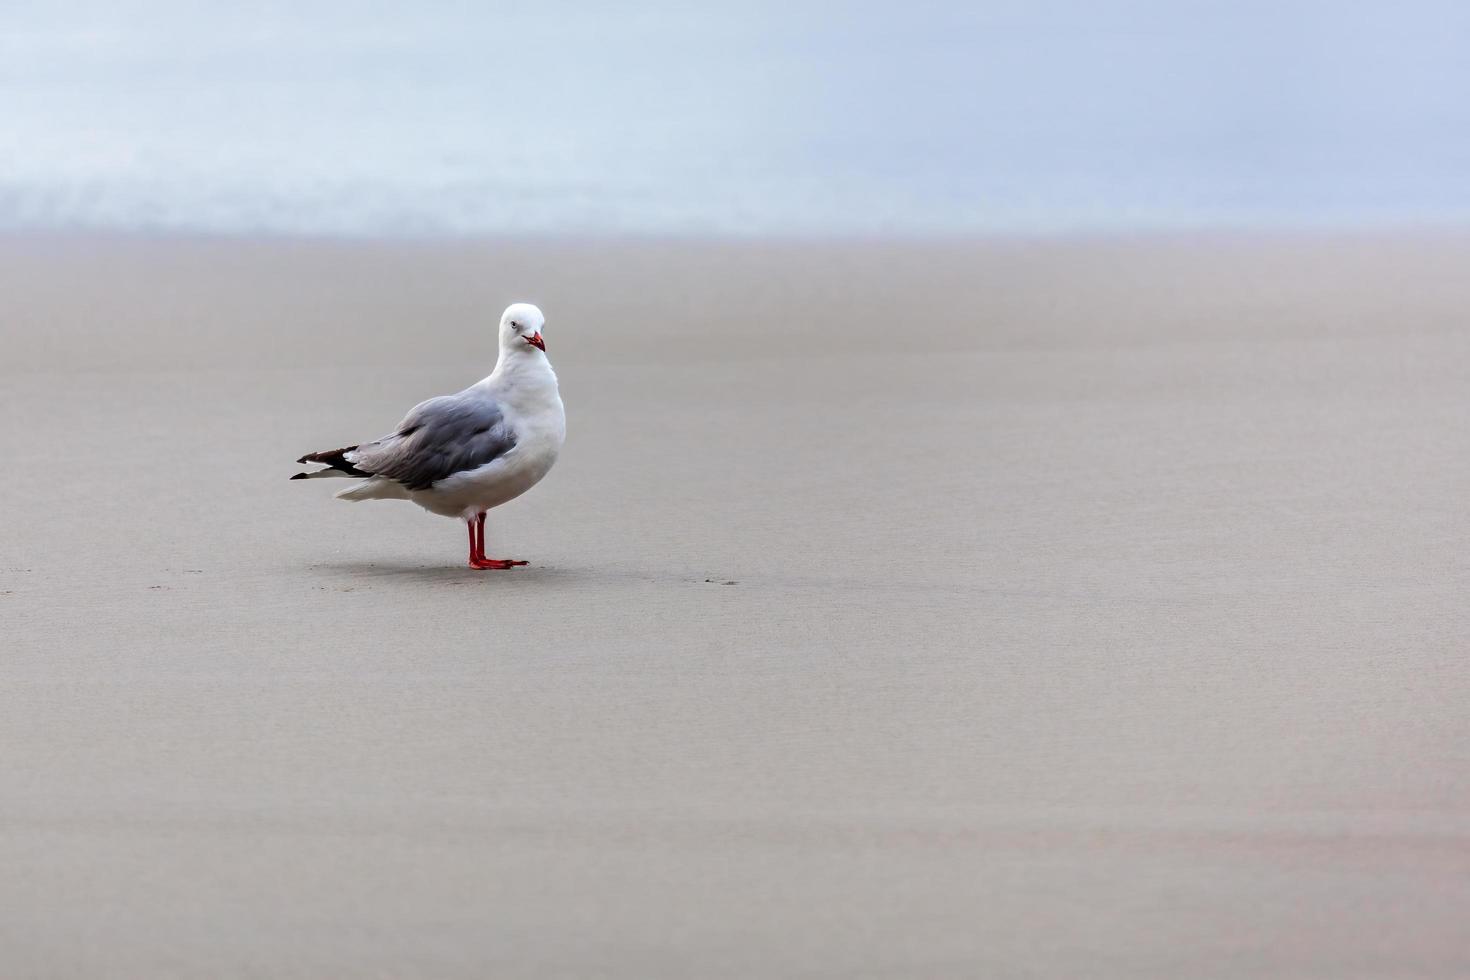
(352, 117)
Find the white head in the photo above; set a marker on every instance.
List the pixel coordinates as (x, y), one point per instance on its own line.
(520, 329)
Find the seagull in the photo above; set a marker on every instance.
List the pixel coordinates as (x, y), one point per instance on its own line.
(460, 455)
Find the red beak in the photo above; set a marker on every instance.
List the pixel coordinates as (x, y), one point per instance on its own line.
(535, 340)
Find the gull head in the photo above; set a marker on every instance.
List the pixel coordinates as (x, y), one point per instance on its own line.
(520, 328)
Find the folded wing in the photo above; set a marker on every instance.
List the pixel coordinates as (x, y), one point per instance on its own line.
(437, 439)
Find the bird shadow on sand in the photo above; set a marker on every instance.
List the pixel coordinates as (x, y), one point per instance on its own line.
(345, 574)
(388, 571)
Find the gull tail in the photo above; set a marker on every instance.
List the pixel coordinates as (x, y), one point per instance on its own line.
(377, 488)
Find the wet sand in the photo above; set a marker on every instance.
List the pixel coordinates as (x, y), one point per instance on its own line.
(1014, 609)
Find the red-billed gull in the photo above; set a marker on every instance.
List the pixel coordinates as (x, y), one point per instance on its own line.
(460, 455)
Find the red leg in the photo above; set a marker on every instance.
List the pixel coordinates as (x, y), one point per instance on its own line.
(477, 548)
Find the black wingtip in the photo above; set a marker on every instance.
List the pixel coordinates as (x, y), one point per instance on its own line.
(301, 476)
(336, 459)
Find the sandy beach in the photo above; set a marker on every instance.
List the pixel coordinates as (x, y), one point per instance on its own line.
(1030, 608)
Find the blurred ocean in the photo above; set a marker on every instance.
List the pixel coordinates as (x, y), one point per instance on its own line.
(758, 118)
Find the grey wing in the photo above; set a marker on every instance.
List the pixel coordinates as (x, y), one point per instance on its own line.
(443, 436)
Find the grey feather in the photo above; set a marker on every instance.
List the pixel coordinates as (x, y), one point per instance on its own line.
(437, 439)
